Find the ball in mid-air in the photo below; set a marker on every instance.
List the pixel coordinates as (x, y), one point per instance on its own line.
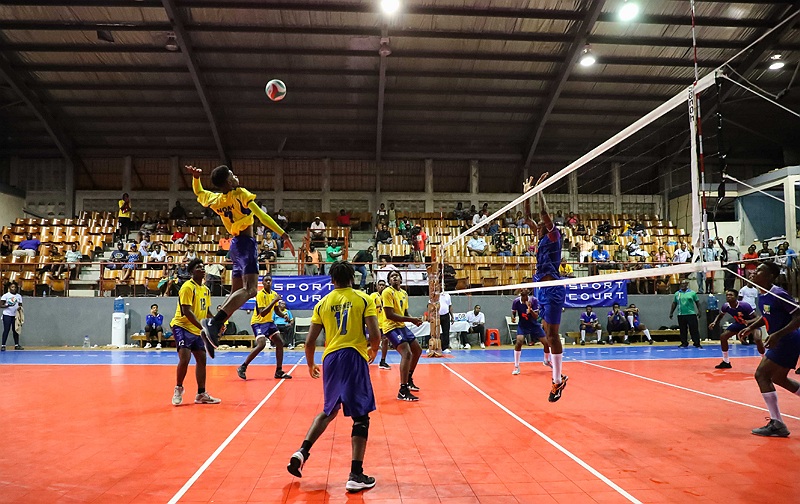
(276, 90)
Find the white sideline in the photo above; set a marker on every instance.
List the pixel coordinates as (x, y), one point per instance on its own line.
(686, 389)
(549, 440)
(175, 498)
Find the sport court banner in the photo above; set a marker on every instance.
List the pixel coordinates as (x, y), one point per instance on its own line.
(597, 294)
(299, 292)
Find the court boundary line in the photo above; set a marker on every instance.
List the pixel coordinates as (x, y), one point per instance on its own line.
(686, 389)
(549, 440)
(186, 486)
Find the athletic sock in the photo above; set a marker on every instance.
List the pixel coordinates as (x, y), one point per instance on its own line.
(556, 360)
(220, 317)
(517, 354)
(357, 467)
(630, 320)
(647, 334)
(725, 357)
(771, 398)
(599, 334)
(547, 357)
(583, 334)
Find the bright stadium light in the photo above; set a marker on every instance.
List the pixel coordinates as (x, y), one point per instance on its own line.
(390, 6)
(628, 11)
(777, 63)
(587, 58)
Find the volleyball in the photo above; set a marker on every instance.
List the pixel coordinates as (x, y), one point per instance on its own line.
(276, 90)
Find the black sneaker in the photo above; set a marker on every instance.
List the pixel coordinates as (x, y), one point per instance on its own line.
(384, 365)
(723, 365)
(601, 342)
(405, 395)
(650, 341)
(3, 349)
(683, 345)
(698, 345)
(412, 387)
(583, 342)
(558, 388)
(610, 340)
(626, 342)
(18, 347)
(242, 372)
(210, 334)
(358, 482)
(773, 429)
(296, 464)
(280, 375)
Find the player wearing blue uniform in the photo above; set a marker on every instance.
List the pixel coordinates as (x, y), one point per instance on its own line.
(743, 314)
(528, 310)
(588, 321)
(551, 299)
(781, 318)
(635, 324)
(346, 359)
(616, 323)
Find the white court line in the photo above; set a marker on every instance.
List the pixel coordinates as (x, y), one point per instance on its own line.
(549, 440)
(687, 389)
(227, 441)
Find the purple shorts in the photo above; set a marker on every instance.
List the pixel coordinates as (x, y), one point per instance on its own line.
(266, 329)
(346, 383)
(552, 300)
(244, 255)
(735, 328)
(185, 339)
(400, 335)
(535, 330)
(787, 352)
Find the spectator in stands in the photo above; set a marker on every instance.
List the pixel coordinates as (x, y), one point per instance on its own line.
(214, 273)
(153, 326)
(343, 220)
(688, 312)
(404, 229)
(383, 236)
(621, 258)
(494, 229)
(265, 257)
(179, 237)
(118, 257)
(766, 253)
(732, 256)
(449, 277)
(73, 257)
(782, 260)
(313, 261)
(55, 265)
(363, 261)
(604, 228)
(334, 251)
(749, 293)
(682, 254)
(521, 222)
(661, 258)
(558, 220)
(178, 213)
(530, 250)
(317, 230)
(617, 322)
(705, 281)
(791, 255)
(480, 217)
(419, 240)
(157, 257)
(469, 214)
(149, 225)
(508, 220)
(124, 217)
(580, 229)
(585, 248)
(477, 325)
(639, 229)
(565, 270)
(272, 246)
(392, 214)
(132, 263)
(381, 214)
(190, 255)
(503, 246)
(162, 227)
(284, 320)
(458, 213)
(600, 259)
(282, 220)
(750, 261)
(6, 246)
(224, 245)
(572, 221)
(28, 247)
(642, 284)
(144, 245)
(384, 268)
(477, 245)
(183, 274)
(609, 240)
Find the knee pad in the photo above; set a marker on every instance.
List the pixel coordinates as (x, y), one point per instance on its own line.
(360, 426)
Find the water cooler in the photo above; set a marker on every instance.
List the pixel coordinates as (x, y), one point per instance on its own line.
(118, 323)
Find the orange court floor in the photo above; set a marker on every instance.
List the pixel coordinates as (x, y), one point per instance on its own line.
(650, 431)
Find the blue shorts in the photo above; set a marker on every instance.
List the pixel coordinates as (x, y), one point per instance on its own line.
(735, 328)
(788, 350)
(535, 331)
(185, 339)
(552, 300)
(244, 255)
(265, 330)
(346, 383)
(400, 335)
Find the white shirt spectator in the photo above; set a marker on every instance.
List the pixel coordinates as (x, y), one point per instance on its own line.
(444, 303)
(13, 302)
(681, 256)
(318, 226)
(158, 256)
(73, 256)
(479, 218)
(475, 320)
(477, 243)
(383, 272)
(749, 295)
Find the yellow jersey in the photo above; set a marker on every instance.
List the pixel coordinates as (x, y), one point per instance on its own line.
(263, 299)
(342, 312)
(398, 301)
(122, 213)
(376, 298)
(231, 207)
(196, 296)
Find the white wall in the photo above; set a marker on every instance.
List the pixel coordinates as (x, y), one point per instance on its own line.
(10, 208)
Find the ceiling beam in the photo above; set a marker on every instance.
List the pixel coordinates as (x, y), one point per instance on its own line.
(185, 44)
(381, 89)
(582, 30)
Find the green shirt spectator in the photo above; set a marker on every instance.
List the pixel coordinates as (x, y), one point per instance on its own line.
(334, 252)
(686, 301)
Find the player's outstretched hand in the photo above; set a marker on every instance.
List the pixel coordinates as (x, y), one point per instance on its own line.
(313, 370)
(418, 322)
(287, 243)
(527, 185)
(541, 178)
(194, 172)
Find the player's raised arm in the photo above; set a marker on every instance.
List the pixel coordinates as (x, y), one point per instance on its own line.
(197, 186)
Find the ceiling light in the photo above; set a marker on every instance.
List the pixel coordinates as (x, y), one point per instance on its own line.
(172, 43)
(777, 63)
(628, 11)
(587, 58)
(390, 6)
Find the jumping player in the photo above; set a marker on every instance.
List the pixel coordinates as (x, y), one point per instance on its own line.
(551, 299)
(589, 320)
(345, 361)
(376, 298)
(781, 318)
(264, 328)
(635, 324)
(528, 310)
(743, 314)
(194, 300)
(395, 309)
(237, 208)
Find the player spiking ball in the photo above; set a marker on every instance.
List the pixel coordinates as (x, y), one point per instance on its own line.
(237, 208)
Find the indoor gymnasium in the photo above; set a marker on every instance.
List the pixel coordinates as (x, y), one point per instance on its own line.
(399, 251)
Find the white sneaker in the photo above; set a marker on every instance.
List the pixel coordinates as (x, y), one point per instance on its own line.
(483, 345)
(148, 345)
(204, 398)
(158, 347)
(467, 347)
(446, 350)
(516, 370)
(177, 396)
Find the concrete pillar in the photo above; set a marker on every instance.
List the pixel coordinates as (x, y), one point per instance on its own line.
(616, 188)
(277, 185)
(127, 169)
(174, 180)
(790, 212)
(429, 185)
(572, 182)
(326, 185)
(69, 187)
(474, 178)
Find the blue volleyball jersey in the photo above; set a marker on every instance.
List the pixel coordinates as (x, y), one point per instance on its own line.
(588, 318)
(741, 313)
(548, 256)
(527, 320)
(776, 308)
